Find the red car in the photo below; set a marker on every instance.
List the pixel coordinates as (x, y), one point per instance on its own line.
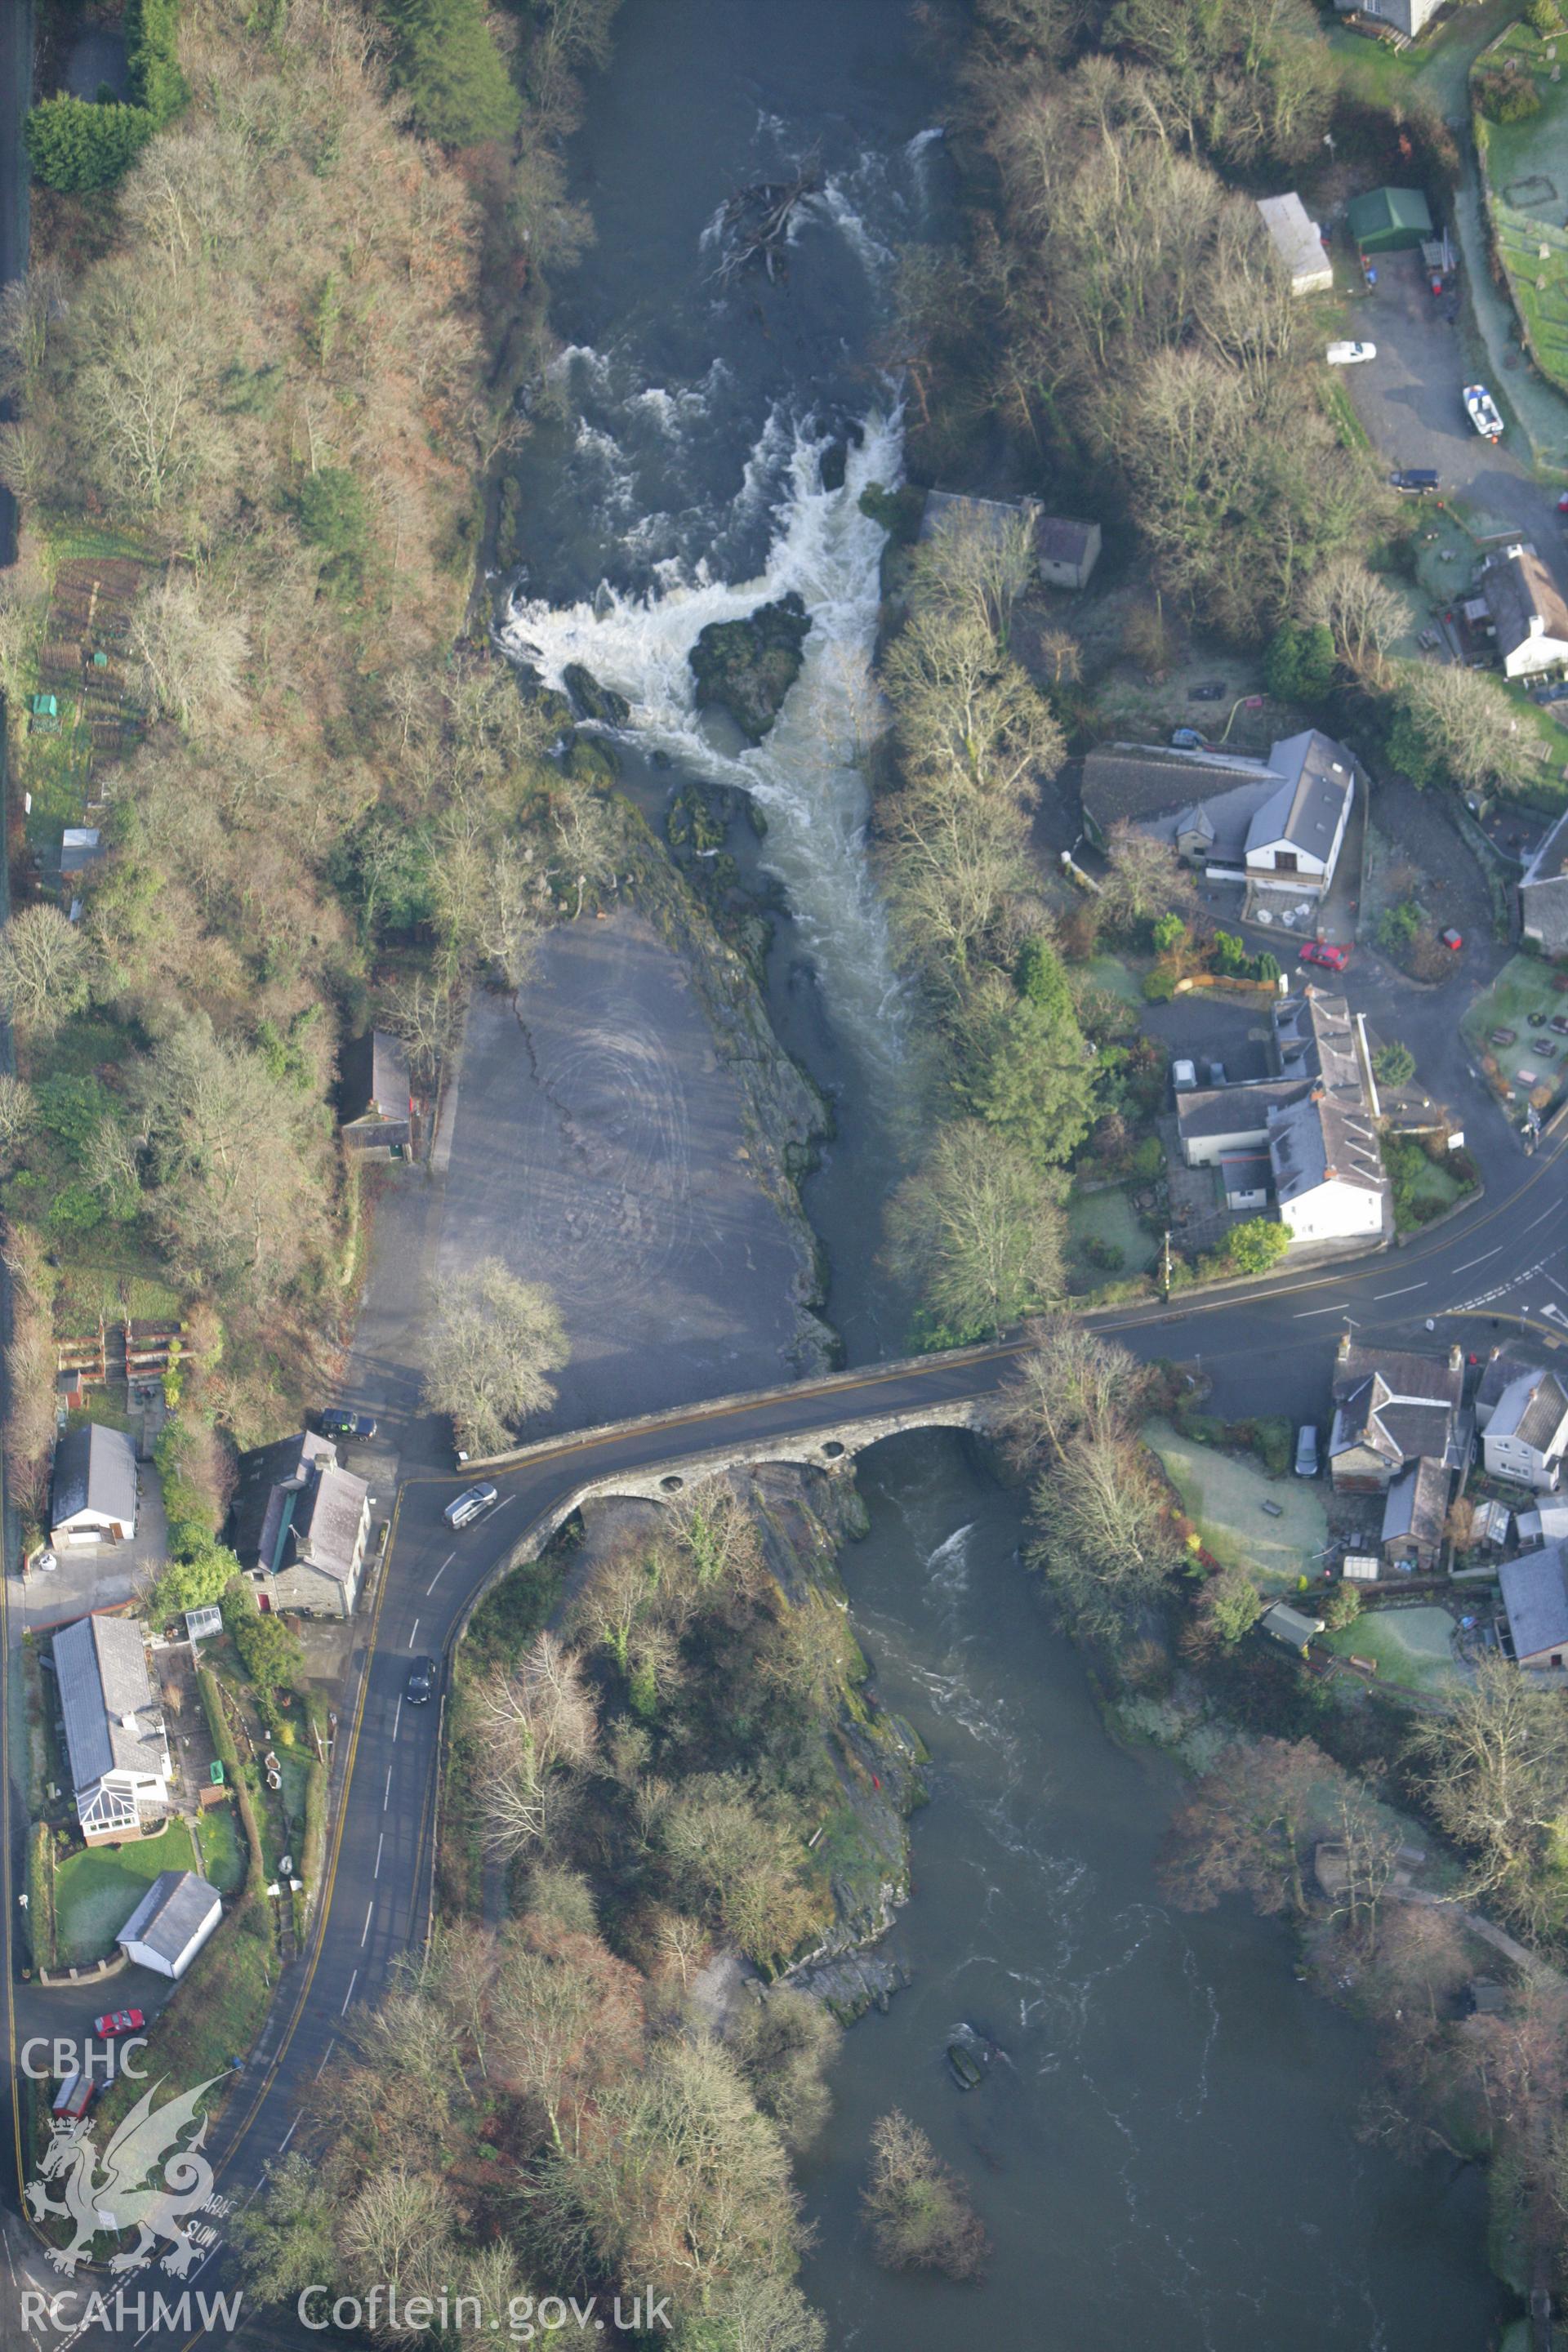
(1333, 959)
(119, 2021)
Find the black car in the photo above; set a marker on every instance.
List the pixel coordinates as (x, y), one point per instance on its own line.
(1416, 481)
(421, 1684)
(337, 1423)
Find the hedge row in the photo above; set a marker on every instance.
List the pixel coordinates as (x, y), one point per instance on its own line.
(75, 144)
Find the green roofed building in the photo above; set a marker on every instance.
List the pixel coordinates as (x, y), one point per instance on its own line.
(1390, 220)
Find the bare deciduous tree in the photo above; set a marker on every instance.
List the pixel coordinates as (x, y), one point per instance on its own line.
(536, 1726)
(494, 1342)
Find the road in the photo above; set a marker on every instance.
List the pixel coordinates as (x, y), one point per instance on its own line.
(1500, 1266)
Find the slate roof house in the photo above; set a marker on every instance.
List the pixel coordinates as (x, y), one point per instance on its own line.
(378, 1097)
(1544, 893)
(1525, 1434)
(1536, 1597)
(1279, 823)
(115, 1739)
(1298, 242)
(171, 1923)
(1528, 612)
(93, 1496)
(1393, 1407)
(1313, 1122)
(299, 1524)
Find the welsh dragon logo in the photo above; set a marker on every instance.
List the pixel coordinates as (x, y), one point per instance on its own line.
(122, 2196)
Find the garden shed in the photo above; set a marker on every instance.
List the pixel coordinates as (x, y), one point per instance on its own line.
(1390, 220)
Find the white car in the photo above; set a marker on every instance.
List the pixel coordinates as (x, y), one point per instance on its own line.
(1350, 354)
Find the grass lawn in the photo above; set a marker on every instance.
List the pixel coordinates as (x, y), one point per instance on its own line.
(1110, 1219)
(1413, 1647)
(1109, 972)
(1223, 1495)
(223, 1856)
(96, 1891)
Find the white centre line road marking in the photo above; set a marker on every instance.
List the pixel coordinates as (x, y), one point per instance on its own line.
(369, 1915)
(1397, 1293)
(350, 1994)
(379, 1844)
(1540, 1220)
(387, 1798)
(440, 1572)
(414, 1635)
(288, 2134)
(322, 2067)
(1480, 1261)
(1308, 1312)
(397, 1715)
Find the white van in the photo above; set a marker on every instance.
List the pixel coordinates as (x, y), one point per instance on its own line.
(471, 1504)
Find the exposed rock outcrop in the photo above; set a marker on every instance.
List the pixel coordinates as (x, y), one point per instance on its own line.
(747, 667)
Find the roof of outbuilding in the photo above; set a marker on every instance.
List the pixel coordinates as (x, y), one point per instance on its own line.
(1058, 540)
(1417, 1503)
(1232, 1111)
(95, 1470)
(172, 1914)
(100, 1668)
(1535, 1595)
(1382, 208)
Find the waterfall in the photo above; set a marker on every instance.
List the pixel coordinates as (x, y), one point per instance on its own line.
(805, 774)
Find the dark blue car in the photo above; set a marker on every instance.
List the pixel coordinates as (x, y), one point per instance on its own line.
(337, 1423)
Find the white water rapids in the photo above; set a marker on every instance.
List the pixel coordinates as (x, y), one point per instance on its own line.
(804, 773)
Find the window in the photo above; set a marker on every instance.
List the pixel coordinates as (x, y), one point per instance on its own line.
(1285, 861)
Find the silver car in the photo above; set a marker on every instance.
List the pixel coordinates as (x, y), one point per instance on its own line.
(1307, 1451)
(471, 1504)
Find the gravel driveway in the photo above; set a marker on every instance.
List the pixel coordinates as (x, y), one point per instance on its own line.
(1409, 399)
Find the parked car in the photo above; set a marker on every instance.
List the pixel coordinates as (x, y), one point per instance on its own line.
(1416, 481)
(1322, 952)
(1350, 354)
(471, 1504)
(1483, 411)
(421, 1682)
(1212, 690)
(119, 2021)
(1307, 1451)
(336, 1421)
(1183, 1078)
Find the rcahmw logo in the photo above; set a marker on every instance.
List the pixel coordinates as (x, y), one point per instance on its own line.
(132, 2315)
(125, 2193)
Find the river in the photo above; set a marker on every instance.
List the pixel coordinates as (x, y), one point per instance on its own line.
(1165, 2155)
